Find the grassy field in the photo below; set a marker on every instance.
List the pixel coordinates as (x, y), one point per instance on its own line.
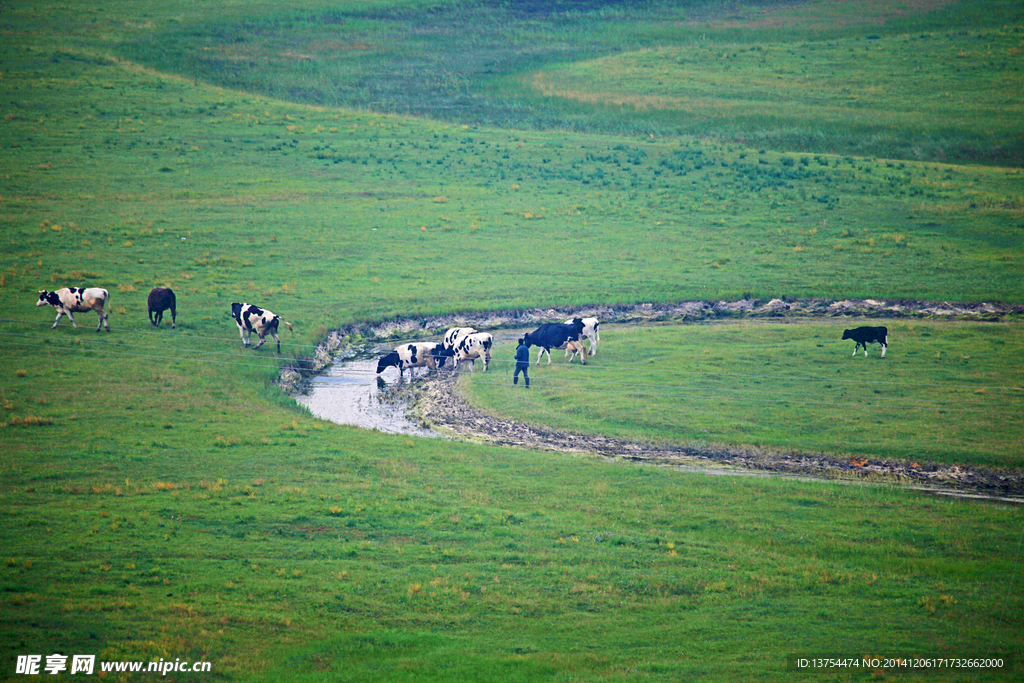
(866, 79)
(948, 393)
(163, 499)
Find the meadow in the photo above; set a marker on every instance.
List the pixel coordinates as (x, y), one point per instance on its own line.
(946, 393)
(162, 498)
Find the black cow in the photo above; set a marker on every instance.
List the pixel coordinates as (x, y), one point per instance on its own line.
(251, 318)
(161, 299)
(868, 335)
(555, 336)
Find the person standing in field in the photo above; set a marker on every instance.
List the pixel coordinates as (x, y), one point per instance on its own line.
(522, 363)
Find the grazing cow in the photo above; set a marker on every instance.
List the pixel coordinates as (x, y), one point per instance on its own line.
(161, 299)
(470, 347)
(419, 355)
(591, 330)
(555, 336)
(251, 319)
(76, 300)
(868, 335)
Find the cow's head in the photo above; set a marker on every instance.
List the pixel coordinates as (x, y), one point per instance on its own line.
(441, 354)
(527, 340)
(236, 311)
(847, 335)
(48, 298)
(387, 361)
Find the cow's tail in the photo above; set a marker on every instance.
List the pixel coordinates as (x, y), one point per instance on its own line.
(597, 331)
(288, 325)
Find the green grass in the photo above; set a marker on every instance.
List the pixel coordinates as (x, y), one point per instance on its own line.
(948, 393)
(871, 80)
(354, 556)
(161, 498)
(921, 95)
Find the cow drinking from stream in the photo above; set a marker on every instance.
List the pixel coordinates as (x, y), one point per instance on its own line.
(418, 355)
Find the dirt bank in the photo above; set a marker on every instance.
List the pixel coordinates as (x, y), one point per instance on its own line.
(439, 406)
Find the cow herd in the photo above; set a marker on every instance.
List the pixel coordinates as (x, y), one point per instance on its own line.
(467, 344)
(71, 300)
(461, 344)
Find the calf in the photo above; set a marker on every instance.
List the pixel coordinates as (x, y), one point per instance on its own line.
(251, 319)
(868, 335)
(591, 330)
(576, 349)
(556, 336)
(161, 299)
(76, 300)
(419, 355)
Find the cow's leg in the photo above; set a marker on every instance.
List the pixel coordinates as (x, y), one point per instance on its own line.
(59, 314)
(71, 318)
(583, 352)
(151, 322)
(487, 359)
(884, 347)
(856, 348)
(174, 318)
(277, 339)
(262, 341)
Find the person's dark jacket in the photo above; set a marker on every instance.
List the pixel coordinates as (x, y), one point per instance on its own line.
(522, 356)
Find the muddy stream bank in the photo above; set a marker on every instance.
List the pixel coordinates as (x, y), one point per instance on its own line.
(340, 384)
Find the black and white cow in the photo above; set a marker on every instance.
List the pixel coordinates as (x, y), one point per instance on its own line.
(160, 300)
(454, 334)
(418, 355)
(555, 336)
(591, 331)
(472, 346)
(250, 318)
(868, 335)
(76, 300)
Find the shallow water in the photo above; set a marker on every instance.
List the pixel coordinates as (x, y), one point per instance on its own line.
(352, 393)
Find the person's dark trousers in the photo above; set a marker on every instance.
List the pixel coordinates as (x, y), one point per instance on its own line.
(526, 375)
